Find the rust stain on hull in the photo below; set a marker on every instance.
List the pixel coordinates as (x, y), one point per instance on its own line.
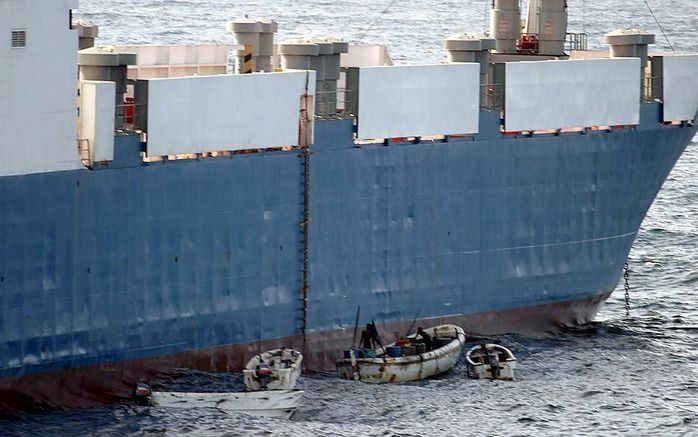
(105, 383)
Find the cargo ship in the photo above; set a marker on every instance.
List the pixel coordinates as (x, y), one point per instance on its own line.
(188, 206)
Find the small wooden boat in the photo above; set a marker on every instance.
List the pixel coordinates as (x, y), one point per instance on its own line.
(279, 404)
(277, 369)
(490, 361)
(384, 368)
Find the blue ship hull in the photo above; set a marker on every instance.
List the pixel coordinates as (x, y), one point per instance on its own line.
(111, 275)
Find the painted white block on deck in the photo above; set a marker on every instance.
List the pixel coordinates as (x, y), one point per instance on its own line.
(423, 100)
(573, 93)
(227, 112)
(97, 118)
(680, 83)
(38, 114)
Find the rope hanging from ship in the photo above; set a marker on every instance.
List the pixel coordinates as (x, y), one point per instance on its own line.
(661, 28)
(376, 20)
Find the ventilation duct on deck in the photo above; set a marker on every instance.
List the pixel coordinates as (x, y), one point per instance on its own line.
(257, 38)
(629, 43)
(323, 56)
(505, 24)
(87, 33)
(471, 48)
(106, 64)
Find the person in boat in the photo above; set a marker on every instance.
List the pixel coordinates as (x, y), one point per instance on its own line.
(369, 337)
(425, 338)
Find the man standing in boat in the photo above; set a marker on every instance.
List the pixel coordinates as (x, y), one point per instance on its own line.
(369, 337)
(426, 338)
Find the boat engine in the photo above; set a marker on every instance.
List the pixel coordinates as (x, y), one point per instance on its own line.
(263, 374)
(493, 358)
(142, 394)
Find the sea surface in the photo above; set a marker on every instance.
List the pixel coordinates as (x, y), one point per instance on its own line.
(622, 375)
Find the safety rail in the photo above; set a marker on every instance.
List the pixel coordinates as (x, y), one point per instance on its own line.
(492, 97)
(578, 42)
(335, 105)
(84, 152)
(128, 117)
(652, 89)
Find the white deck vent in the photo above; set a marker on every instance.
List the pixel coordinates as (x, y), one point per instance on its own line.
(19, 39)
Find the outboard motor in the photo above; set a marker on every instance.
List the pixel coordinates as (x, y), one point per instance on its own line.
(142, 394)
(493, 358)
(263, 374)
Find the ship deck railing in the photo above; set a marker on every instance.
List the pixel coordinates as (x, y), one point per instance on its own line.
(128, 117)
(577, 42)
(335, 105)
(84, 152)
(492, 97)
(652, 89)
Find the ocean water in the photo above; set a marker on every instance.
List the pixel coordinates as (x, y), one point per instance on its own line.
(621, 375)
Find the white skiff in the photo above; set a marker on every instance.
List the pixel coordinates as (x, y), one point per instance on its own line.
(385, 369)
(490, 361)
(280, 403)
(277, 369)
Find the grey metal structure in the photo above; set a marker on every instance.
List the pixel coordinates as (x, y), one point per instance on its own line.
(106, 63)
(505, 24)
(258, 34)
(323, 56)
(547, 19)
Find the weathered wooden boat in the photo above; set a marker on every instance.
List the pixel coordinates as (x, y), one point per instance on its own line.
(412, 367)
(277, 369)
(279, 403)
(490, 361)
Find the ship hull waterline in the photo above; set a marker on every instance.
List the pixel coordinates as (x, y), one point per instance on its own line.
(96, 385)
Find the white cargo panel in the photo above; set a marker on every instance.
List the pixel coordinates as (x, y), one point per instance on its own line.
(231, 112)
(411, 101)
(680, 87)
(575, 93)
(38, 84)
(97, 118)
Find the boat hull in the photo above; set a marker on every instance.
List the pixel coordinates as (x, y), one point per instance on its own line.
(384, 370)
(280, 404)
(481, 368)
(284, 375)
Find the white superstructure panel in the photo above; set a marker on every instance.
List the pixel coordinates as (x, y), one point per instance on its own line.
(574, 93)
(97, 118)
(229, 112)
(38, 82)
(411, 101)
(680, 83)
(366, 56)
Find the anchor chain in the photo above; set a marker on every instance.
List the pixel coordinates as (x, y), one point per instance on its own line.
(626, 276)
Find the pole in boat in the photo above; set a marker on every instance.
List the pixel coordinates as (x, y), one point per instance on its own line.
(356, 327)
(414, 322)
